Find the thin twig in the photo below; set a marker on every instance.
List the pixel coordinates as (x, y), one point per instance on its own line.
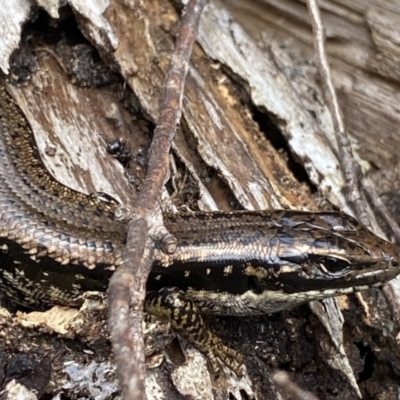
(127, 287)
(380, 207)
(285, 385)
(350, 168)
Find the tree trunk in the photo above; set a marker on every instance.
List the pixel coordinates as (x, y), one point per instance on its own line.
(256, 134)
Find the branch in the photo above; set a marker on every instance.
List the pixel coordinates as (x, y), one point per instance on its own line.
(127, 288)
(350, 168)
(286, 386)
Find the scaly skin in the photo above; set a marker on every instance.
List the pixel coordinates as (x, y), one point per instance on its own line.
(56, 243)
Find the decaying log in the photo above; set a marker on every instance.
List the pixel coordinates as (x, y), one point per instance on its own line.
(256, 134)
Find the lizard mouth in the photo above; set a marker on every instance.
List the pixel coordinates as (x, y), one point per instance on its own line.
(380, 277)
(312, 278)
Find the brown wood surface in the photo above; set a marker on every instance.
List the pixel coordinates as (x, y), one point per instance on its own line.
(255, 134)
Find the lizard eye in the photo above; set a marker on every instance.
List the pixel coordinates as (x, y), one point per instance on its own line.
(393, 262)
(335, 264)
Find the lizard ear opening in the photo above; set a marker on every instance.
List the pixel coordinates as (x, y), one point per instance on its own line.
(254, 284)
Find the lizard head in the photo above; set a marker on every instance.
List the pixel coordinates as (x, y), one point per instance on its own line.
(332, 263)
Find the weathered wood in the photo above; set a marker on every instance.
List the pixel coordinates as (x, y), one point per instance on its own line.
(254, 121)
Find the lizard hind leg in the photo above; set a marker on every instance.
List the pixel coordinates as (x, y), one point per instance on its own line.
(171, 304)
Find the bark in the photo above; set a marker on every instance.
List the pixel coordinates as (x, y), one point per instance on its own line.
(256, 134)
